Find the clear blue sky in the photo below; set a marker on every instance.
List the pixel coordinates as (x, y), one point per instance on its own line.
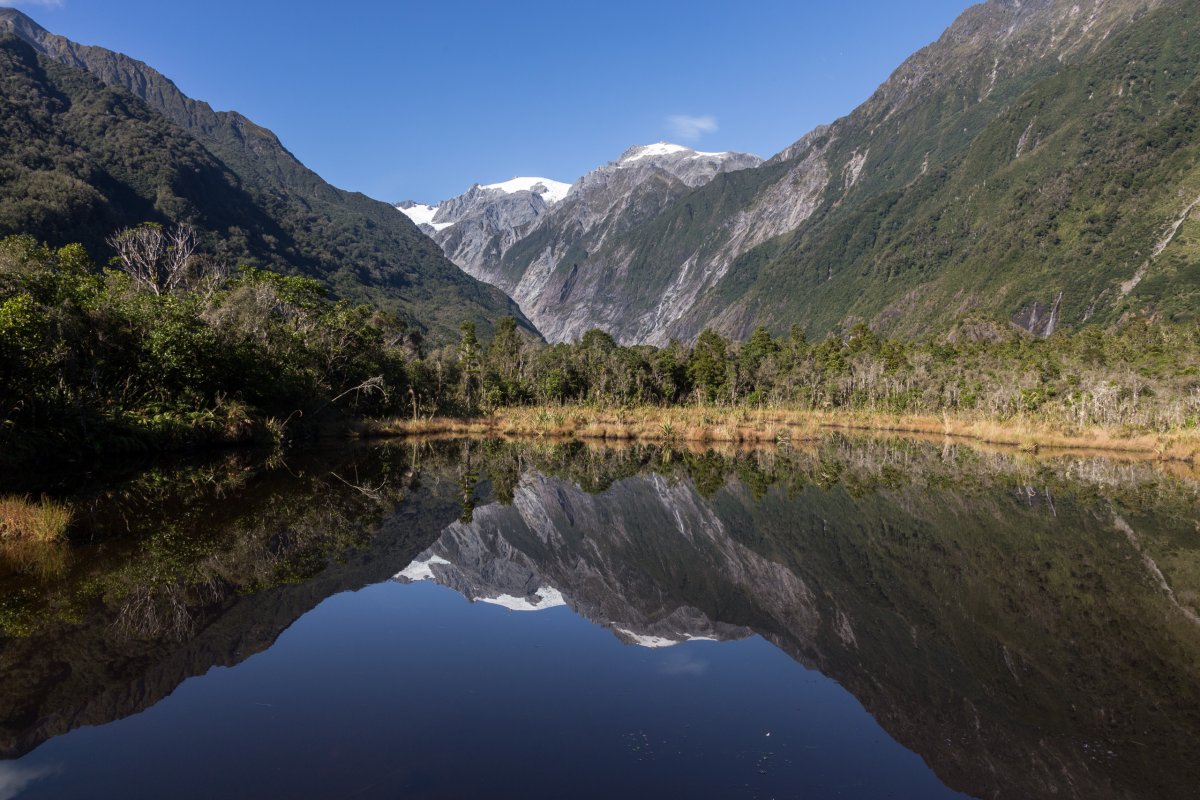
(417, 100)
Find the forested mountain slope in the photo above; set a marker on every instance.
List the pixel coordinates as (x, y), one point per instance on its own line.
(1074, 203)
(94, 140)
(1022, 169)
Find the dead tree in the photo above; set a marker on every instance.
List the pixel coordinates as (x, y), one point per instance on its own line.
(158, 260)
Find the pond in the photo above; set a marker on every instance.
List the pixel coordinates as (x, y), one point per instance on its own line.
(858, 618)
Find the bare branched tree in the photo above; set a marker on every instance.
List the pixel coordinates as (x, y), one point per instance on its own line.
(205, 276)
(159, 260)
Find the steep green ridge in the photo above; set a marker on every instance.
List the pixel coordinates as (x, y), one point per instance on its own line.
(83, 160)
(95, 140)
(1064, 194)
(1020, 170)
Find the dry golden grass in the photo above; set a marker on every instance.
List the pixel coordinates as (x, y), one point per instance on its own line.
(22, 519)
(744, 426)
(42, 559)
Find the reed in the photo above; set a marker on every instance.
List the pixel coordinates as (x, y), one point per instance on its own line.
(780, 424)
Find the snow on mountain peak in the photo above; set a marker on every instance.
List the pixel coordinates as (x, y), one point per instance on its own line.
(543, 598)
(663, 149)
(422, 215)
(551, 191)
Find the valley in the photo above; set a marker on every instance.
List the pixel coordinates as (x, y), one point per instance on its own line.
(334, 463)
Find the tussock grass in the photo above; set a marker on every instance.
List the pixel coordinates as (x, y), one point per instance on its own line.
(33, 534)
(776, 424)
(44, 521)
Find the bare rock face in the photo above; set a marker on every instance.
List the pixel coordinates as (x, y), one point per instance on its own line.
(529, 556)
(477, 227)
(523, 235)
(542, 271)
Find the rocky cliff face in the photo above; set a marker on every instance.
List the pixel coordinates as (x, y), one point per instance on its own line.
(538, 266)
(476, 228)
(526, 235)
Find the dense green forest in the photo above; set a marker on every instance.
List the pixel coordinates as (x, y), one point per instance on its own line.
(85, 151)
(176, 353)
(164, 349)
(1066, 197)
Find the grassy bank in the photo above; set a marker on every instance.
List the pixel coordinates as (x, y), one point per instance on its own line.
(743, 425)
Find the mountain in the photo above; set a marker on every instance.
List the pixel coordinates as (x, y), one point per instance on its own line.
(482, 200)
(92, 141)
(938, 589)
(530, 244)
(1023, 169)
(477, 227)
(1036, 167)
(522, 556)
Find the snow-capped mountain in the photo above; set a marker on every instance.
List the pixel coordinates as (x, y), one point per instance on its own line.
(481, 197)
(542, 272)
(550, 191)
(519, 235)
(693, 167)
(529, 556)
(481, 224)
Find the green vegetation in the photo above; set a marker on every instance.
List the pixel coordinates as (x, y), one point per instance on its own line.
(1067, 192)
(106, 363)
(85, 152)
(165, 350)
(996, 176)
(1139, 377)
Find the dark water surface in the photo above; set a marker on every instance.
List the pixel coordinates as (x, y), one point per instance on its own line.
(479, 619)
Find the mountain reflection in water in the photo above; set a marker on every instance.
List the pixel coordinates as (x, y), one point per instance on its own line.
(1026, 627)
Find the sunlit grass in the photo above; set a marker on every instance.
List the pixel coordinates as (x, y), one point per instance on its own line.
(22, 519)
(33, 535)
(780, 424)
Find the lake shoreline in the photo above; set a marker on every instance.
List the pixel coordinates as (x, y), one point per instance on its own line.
(717, 425)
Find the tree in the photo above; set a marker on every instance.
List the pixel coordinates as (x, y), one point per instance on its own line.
(468, 360)
(504, 352)
(707, 367)
(158, 260)
(754, 353)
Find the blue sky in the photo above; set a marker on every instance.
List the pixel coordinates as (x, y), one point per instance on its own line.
(417, 100)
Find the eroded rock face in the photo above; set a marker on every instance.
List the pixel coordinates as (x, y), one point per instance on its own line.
(605, 555)
(526, 236)
(549, 272)
(477, 227)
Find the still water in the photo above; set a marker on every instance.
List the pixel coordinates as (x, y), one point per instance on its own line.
(484, 619)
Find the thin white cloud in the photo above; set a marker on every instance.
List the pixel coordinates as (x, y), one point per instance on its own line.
(682, 664)
(684, 126)
(15, 778)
